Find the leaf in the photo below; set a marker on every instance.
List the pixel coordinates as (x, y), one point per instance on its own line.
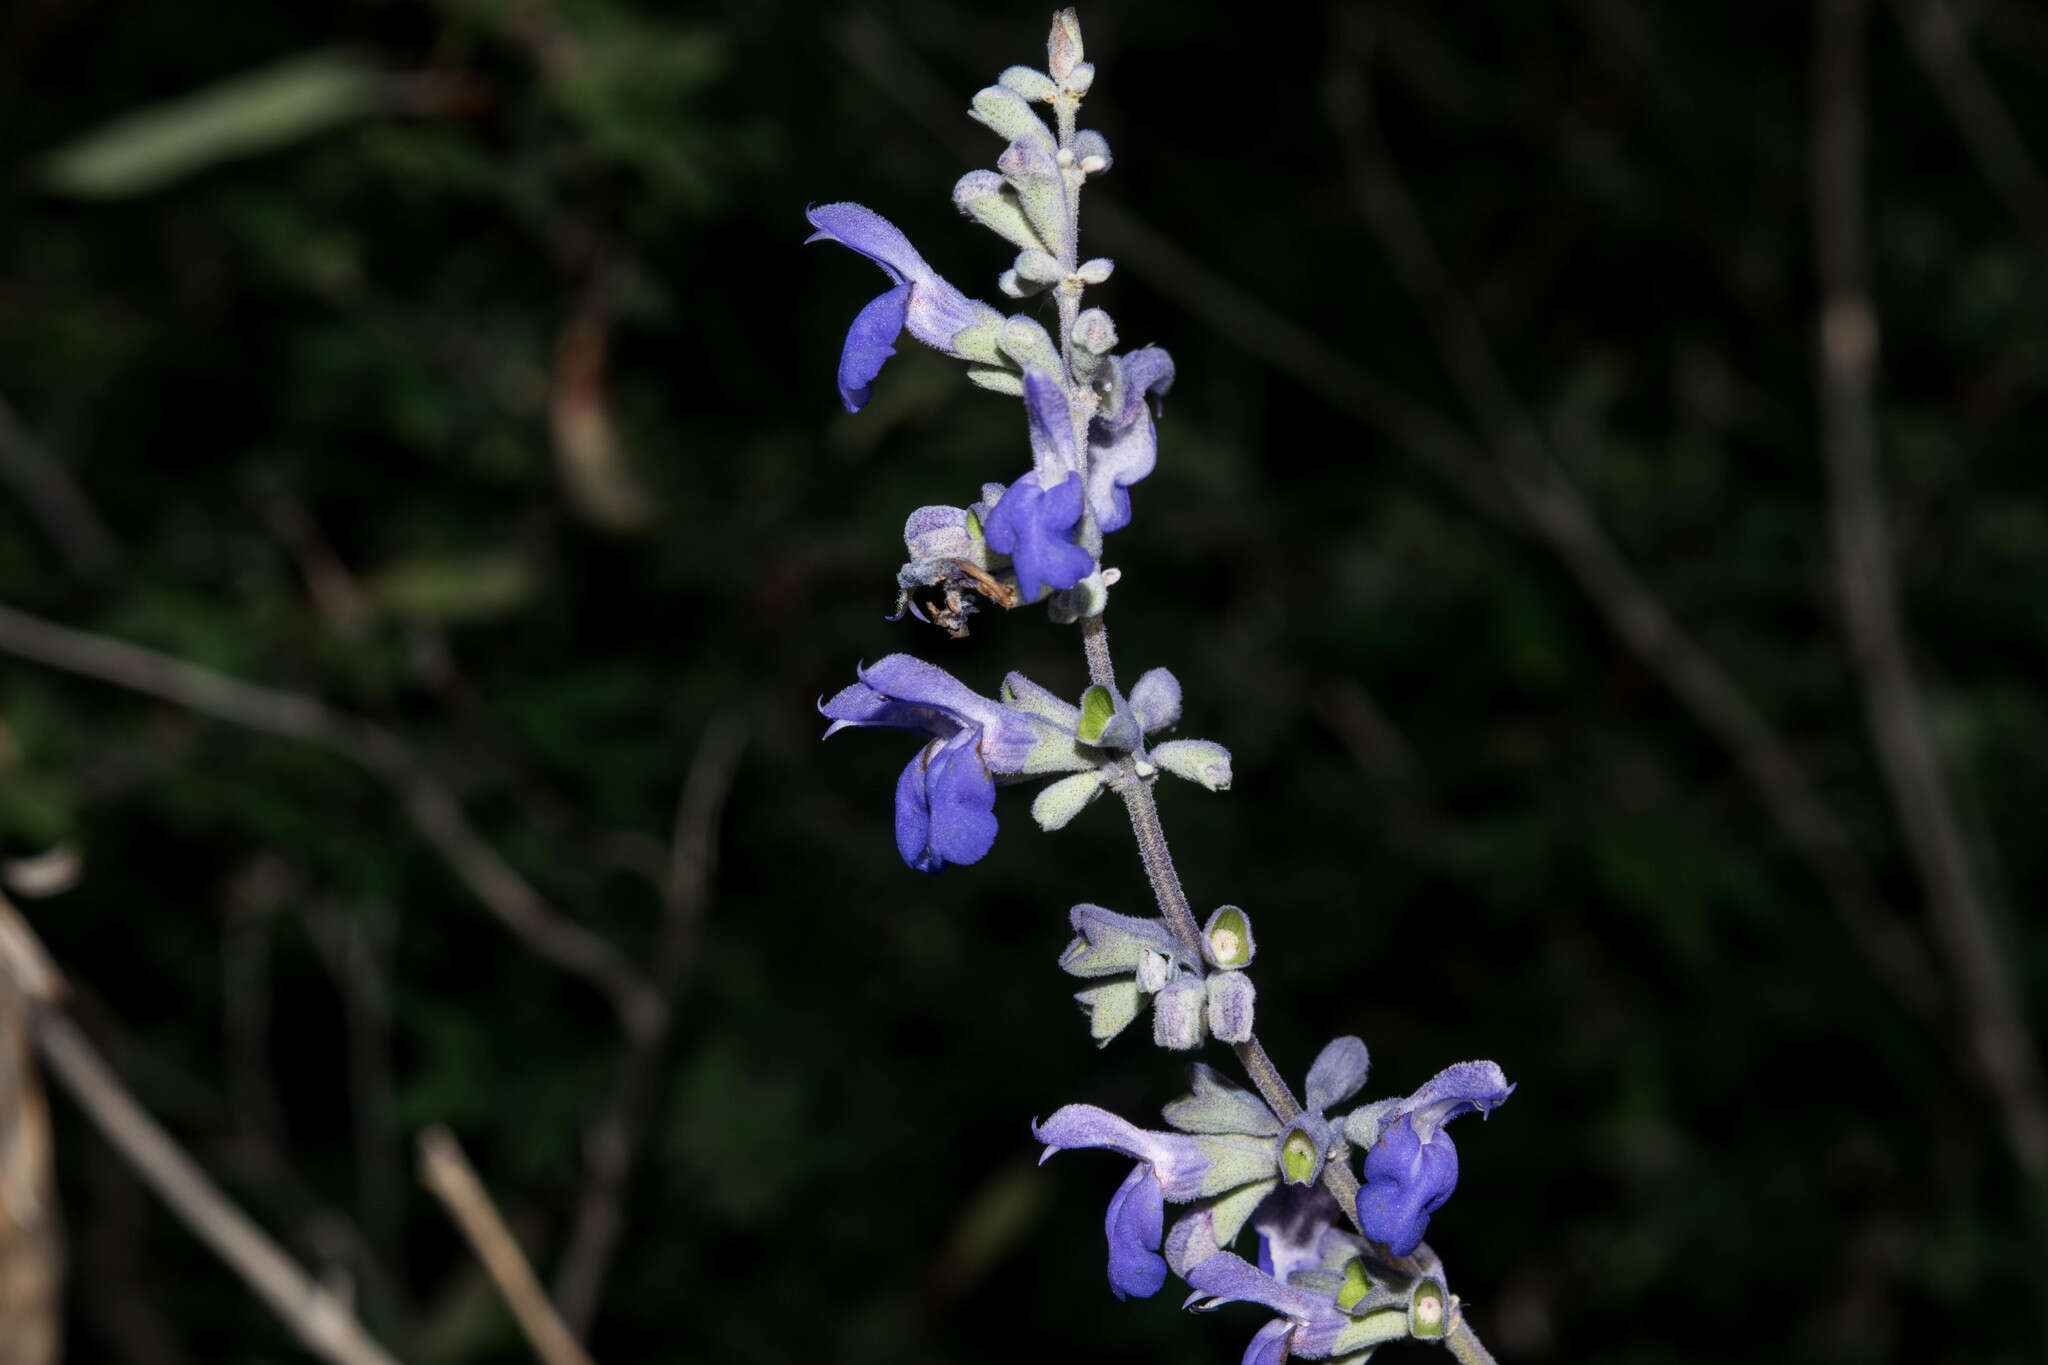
(243, 116)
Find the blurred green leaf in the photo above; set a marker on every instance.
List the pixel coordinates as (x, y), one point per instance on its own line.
(243, 116)
(454, 587)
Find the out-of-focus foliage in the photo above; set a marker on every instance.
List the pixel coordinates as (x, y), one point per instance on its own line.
(489, 395)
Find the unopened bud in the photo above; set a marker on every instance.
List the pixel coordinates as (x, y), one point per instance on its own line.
(1093, 150)
(1096, 271)
(1152, 971)
(1177, 1014)
(1093, 330)
(1039, 267)
(1231, 997)
(1063, 45)
(1030, 82)
(1081, 77)
(1009, 114)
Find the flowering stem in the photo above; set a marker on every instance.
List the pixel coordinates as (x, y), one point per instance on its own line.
(1467, 1347)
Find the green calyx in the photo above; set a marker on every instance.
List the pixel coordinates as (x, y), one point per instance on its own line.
(1098, 709)
(1428, 1309)
(1298, 1155)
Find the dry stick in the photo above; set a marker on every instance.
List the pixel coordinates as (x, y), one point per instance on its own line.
(1894, 701)
(42, 481)
(615, 1139)
(320, 1319)
(431, 807)
(1558, 514)
(1943, 49)
(445, 1171)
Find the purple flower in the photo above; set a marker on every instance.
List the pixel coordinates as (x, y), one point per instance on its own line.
(945, 799)
(1171, 1166)
(1410, 1165)
(1122, 445)
(1035, 520)
(935, 312)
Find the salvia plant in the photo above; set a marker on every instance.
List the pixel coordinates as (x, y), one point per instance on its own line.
(1339, 1258)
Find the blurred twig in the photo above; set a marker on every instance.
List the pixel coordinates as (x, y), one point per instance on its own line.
(31, 1244)
(67, 515)
(1941, 44)
(1894, 701)
(445, 1171)
(428, 803)
(321, 1320)
(614, 1141)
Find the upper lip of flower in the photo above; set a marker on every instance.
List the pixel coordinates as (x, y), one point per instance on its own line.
(919, 298)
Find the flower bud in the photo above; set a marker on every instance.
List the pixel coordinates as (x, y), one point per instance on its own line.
(1096, 271)
(983, 196)
(1093, 330)
(1081, 78)
(1039, 267)
(1010, 115)
(1177, 1014)
(1063, 44)
(1152, 971)
(1230, 1006)
(1227, 939)
(1091, 151)
(1197, 760)
(1030, 82)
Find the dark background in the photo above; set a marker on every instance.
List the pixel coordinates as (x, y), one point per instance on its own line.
(497, 407)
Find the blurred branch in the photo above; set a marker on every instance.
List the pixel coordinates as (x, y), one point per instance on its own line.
(67, 515)
(351, 957)
(428, 803)
(1557, 513)
(320, 1320)
(445, 1171)
(1896, 705)
(31, 1243)
(1942, 46)
(615, 1140)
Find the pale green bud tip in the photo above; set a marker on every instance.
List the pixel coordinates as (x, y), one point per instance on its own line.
(1091, 150)
(1227, 939)
(1063, 45)
(1298, 1158)
(1426, 1311)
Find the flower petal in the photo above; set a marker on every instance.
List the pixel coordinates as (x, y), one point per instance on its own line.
(1294, 1225)
(1122, 445)
(1136, 1222)
(1229, 1278)
(1467, 1088)
(1337, 1073)
(935, 312)
(962, 797)
(1035, 527)
(1177, 1160)
(914, 816)
(1052, 428)
(1269, 1347)
(1406, 1180)
(869, 343)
